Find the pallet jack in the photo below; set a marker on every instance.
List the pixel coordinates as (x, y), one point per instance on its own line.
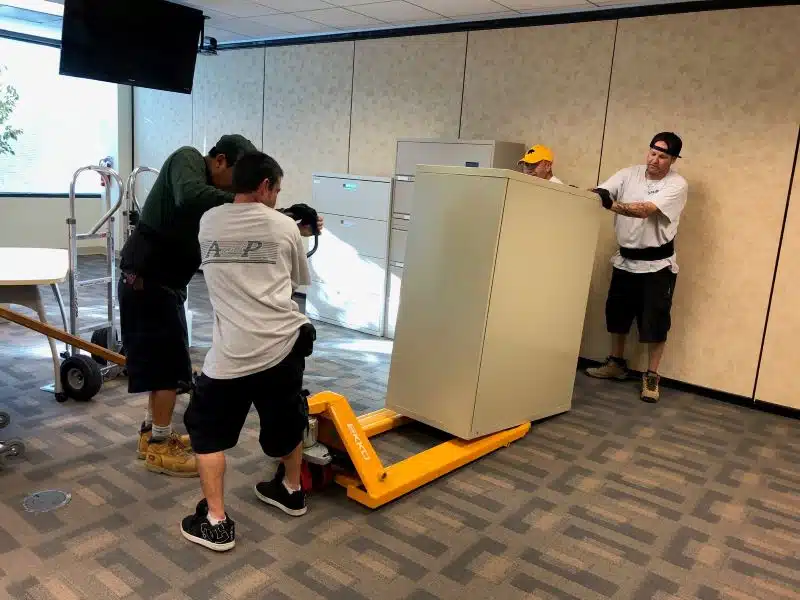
(339, 450)
(337, 446)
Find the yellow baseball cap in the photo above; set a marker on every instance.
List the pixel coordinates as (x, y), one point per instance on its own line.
(537, 153)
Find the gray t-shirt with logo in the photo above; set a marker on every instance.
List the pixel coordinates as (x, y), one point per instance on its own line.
(668, 194)
(253, 258)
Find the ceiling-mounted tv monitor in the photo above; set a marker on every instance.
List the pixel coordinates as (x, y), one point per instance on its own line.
(143, 43)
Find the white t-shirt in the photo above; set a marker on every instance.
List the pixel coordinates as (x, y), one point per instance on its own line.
(668, 194)
(253, 258)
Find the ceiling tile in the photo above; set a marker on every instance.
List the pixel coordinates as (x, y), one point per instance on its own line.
(488, 16)
(213, 14)
(222, 35)
(395, 11)
(291, 6)
(235, 8)
(247, 27)
(350, 2)
(291, 23)
(460, 8)
(339, 17)
(539, 5)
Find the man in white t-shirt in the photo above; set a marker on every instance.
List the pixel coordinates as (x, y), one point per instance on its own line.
(647, 201)
(253, 258)
(538, 162)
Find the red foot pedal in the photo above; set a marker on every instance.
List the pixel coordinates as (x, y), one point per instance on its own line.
(306, 478)
(322, 476)
(315, 478)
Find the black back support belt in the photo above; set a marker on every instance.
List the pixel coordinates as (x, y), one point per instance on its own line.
(652, 253)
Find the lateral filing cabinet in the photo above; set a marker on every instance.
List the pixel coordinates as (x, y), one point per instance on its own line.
(446, 152)
(349, 272)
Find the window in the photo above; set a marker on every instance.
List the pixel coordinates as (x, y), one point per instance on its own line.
(67, 123)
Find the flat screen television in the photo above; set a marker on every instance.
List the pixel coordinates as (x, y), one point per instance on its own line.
(144, 43)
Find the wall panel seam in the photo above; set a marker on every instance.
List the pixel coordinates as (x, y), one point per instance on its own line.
(352, 94)
(263, 98)
(777, 262)
(608, 101)
(463, 85)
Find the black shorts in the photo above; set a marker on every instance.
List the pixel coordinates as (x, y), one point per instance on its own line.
(218, 408)
(646, 297)
(154, 336)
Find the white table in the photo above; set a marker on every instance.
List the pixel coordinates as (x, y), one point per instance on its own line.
(22, 271)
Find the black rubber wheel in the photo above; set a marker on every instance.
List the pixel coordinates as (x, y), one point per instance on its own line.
(100, 338)
(14, 449)
(61, 397)
(81, 378)
(5, 419)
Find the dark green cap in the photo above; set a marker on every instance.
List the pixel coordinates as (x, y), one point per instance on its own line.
(233, 146)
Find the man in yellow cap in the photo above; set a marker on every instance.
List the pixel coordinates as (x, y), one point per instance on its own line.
(538, 161)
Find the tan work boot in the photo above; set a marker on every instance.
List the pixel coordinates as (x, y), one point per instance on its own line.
(171, 457)
(144, 440)
(650, 391)
(613, 368)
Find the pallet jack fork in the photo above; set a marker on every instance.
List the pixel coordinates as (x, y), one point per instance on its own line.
(374, 484)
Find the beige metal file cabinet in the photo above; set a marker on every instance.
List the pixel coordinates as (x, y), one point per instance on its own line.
(349, 273)
(413, 152)
(495, 284)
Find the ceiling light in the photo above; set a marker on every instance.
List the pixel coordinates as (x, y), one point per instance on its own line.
(40, 6)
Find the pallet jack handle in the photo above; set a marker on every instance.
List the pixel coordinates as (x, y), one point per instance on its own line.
(62, 336)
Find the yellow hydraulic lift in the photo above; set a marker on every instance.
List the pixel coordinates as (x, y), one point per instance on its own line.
(371, 484)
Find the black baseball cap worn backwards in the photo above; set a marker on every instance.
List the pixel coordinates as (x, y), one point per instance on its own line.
(673, 142)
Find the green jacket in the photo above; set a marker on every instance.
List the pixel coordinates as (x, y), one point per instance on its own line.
(164, 247)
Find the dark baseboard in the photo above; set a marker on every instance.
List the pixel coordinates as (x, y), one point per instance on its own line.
(682, 386)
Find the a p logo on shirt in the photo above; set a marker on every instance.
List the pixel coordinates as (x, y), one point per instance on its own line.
(239, 251)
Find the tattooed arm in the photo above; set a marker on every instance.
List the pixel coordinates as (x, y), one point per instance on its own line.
(637, 210)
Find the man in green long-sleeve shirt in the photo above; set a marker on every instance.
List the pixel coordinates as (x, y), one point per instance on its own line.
(157, 263)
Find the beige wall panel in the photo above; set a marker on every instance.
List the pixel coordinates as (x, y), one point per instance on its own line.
(228, 97)
(307, 94)
(780, 356)
(162, 123)
(728, 83)
(404, 87)
(545, 85)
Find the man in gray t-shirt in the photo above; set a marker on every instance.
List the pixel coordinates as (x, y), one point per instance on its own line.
(253, 259)
(647, 201)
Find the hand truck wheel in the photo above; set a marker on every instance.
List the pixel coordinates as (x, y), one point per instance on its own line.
(11, 449)
(100, 338)
(81, 377)
(5, 419)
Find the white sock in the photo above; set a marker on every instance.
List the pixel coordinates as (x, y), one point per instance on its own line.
(214, 521)
(289, 487)
(161, 433)
(148, 417)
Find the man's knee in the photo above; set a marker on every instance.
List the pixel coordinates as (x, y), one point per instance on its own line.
(279, 442)
(215, 416)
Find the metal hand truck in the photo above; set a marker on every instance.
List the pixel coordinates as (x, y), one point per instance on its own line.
(82, 376)
(131, 210)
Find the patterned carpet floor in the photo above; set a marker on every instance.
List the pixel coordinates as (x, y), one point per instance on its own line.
(689, 498)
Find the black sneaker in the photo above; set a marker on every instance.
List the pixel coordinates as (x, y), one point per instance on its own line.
(275, 493)
(196, 528)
